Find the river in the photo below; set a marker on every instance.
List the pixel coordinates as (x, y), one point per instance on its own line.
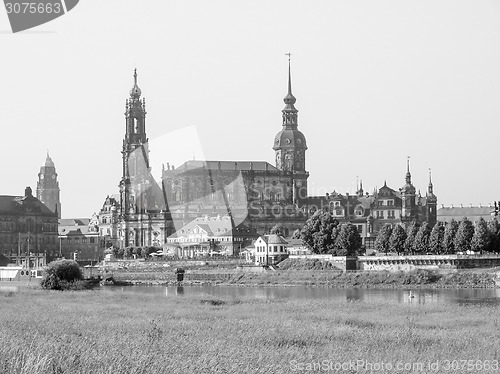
(418, 296)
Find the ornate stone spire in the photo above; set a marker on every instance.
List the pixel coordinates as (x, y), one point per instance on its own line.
(430, 182)
(135, 92)
(289, 112)
(408, 175)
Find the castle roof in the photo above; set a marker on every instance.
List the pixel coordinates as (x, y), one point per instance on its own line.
(474, 213)
(226, 165)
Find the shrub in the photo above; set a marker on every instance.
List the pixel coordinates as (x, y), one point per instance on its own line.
(61, 275)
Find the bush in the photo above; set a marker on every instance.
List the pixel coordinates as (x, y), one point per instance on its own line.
(62, 275)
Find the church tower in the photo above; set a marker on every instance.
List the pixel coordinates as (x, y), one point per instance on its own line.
(290, 146)
(431, 203)
(143, 215)
(408, 197)
(135, 154)
(47, 187)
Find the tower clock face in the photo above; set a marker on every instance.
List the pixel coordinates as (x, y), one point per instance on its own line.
(53, 176)
(41, 176)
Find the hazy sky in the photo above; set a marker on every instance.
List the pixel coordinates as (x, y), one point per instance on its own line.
(375, 81)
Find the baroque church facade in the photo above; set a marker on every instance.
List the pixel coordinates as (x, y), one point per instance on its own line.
(253, 194)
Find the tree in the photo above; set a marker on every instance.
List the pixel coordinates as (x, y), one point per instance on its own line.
(397, 239)
(494, 234)
(382, 241)
(127, 252)
(421, 244)
(481, 237)
(58, 274)
(348, 242)
(146, 251)
(411, 232)
(296, 234)
(450, 231)
(436, 239)
(463, 238)
(319, 232)
(277, 229)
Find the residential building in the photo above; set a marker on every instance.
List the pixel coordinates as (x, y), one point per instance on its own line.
(270, 249)
(79, 239)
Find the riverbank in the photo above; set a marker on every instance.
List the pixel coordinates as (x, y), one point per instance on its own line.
(109, 332)
(323, 278)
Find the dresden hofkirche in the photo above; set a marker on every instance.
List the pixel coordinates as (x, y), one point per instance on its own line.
(254, 194)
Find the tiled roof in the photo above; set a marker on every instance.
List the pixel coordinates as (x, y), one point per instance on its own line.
(226, 165)
(3, 260)
(274, 239)
(460, 212)
(74, 221)
(214, 226)
(19, 205)
(75, 230)
(295, 243)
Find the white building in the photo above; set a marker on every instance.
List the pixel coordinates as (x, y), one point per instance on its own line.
(270, 249)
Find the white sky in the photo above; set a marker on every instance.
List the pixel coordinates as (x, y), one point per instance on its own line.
(375, 81)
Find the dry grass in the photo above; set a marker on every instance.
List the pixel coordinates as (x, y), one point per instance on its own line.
(109, 332)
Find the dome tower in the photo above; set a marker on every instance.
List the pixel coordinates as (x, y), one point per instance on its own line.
(290, 145)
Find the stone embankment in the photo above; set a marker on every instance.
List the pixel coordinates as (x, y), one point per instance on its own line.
(309, 273)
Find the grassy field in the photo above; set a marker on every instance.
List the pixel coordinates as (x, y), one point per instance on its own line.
(108, 332)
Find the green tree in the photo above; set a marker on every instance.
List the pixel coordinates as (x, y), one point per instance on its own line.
(494, 234)
(397, 239)
(382, 241)
(127, 252)
(277, 229)
(436, 239)
(319, 232)
(463, 238)
(348, 242)
(411, 232)
(58, 274)
(481, 237)
(450, 231)
(421, 244)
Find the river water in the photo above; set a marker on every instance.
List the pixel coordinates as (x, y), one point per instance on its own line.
(419, 296)
(429, 296)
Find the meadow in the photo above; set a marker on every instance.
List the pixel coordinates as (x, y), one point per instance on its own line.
(111, 332)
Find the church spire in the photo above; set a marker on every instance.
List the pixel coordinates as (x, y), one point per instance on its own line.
(408, 175)
(430, 182)
(135, 92)
(290, 112)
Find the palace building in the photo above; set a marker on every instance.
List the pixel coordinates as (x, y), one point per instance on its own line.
(254, 194)
(28, 230)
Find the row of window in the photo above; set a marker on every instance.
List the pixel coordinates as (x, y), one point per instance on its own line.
(28, 226)
(79, 240)
(272, 248)
(390, 214)
(385, 202)
(15, 239)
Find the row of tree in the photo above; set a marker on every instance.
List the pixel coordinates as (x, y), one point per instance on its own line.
(323, 234)
(449, 238)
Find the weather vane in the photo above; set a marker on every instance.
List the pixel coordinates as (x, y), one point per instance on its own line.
(289, 55)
